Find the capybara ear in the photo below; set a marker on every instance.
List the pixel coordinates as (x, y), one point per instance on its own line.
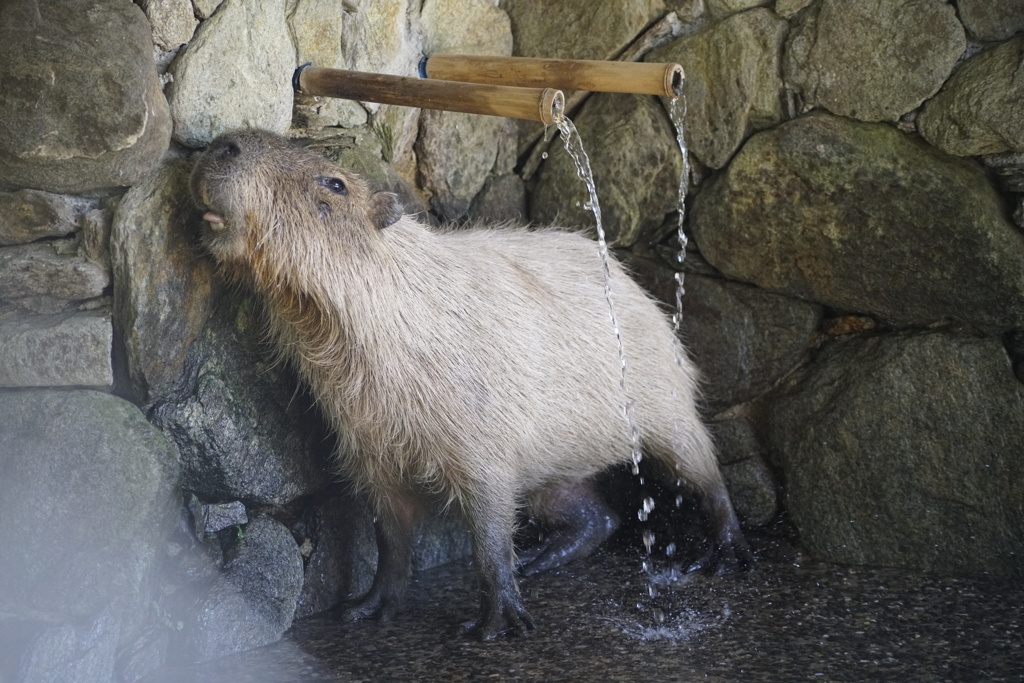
(385, 209)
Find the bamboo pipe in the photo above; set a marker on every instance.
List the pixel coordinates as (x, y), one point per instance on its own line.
(566, 74)
(546, 105)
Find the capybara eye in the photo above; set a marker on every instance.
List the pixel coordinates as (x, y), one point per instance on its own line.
(228, 150)
(335, 185)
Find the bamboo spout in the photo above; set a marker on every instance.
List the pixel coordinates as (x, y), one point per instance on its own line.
(546, 105)
(566, 74)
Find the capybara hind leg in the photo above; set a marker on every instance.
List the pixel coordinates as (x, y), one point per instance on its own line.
(729, 551)
(397, 516)
(577, 522)
(501, 607)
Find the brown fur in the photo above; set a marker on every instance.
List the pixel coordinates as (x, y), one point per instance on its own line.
(479, 365)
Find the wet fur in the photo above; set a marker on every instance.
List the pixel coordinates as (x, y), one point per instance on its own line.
(478, 365)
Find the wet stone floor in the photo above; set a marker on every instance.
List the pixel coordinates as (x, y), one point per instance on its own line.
(782, 621)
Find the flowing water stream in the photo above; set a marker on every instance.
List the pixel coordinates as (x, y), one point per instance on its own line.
(573, 144)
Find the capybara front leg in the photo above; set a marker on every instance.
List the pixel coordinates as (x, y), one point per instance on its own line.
(501, 607)
(397, 516)
(577, 521)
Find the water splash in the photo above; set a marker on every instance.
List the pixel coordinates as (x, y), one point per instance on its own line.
(574, 146)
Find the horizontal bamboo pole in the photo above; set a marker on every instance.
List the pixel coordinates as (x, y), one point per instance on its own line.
(545, 105)
(566, 74)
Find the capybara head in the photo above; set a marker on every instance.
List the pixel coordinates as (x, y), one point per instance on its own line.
(260, 191)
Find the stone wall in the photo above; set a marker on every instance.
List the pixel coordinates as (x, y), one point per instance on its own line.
(854, 285)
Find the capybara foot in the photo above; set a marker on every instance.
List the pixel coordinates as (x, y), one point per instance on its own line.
(507, 618)
(369, 607)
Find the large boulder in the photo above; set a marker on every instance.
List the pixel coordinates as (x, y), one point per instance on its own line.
(904, 450)
(636, 167)
(251, 601)
(319, 32)
(244, 430)
(236, 72)
(978, 111)
(88, 493)
(162, 286)
(79, 96)
(733, 84)
(864, 59)
(30, 215)
(862, 218)
(744, 339)
(48, 274)
(991, 19)
(456, 151)
(56, 350)
(600, 30)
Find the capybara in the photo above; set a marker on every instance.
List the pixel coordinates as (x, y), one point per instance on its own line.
(476, 366)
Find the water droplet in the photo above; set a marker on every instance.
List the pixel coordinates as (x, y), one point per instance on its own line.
(544, 155)
(648, 536)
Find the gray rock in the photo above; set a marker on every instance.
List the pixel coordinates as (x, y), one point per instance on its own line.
(29, 215)
(204, 9)
(863, 59)
(381, 36)
(83, 651)
(723, 8)
(600, 30)
(50, 269)
(58, 350)
(991, 19)
(733, 82)
(978, 111)
(753, 491)
(789, 8)
(82, 111)
(342, 556)
(252, 602)
(209, 518)
(636, 166)
(456, 152)
(88, 493)
(503, 198)
(905, 451)
(236, 72)
(469, 27)
(1009, 169)
(94, 240)
(862, 218)
(319, 35)
(244, 431)
(143, 656)
(744, 339)
(173, 21)
(162, 284)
